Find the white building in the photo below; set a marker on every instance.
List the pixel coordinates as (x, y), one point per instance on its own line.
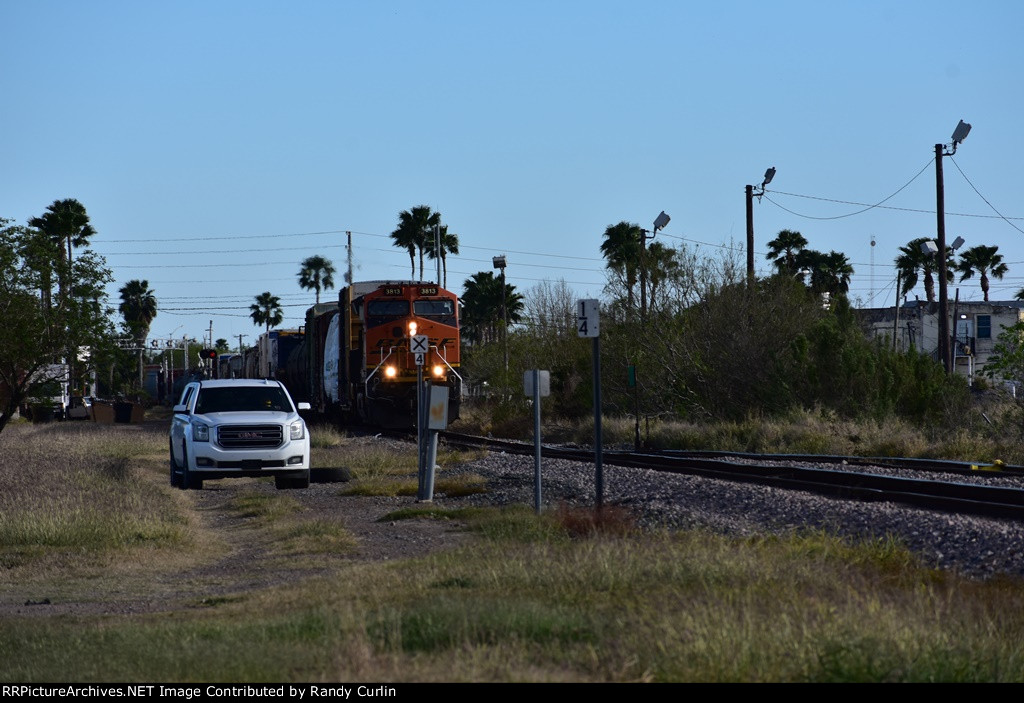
(978, 326)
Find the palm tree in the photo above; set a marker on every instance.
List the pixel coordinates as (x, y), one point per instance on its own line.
(415, 233)
(662, 265)
(785, 249)
(985, 261)
(317, 273)
(621, 248)
(66, 224)
(266, 310)
(913, 260)
(830, 273)
(138, 307)
(449, 245)
(481, 311)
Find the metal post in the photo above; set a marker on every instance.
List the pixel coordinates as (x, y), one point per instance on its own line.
(420, 434)
(636, 407)
(598, 457)
(536, 440)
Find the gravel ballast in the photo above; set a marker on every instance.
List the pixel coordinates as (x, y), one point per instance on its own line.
(975, 546)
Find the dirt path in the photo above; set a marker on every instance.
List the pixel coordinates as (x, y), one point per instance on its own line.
(235, 554)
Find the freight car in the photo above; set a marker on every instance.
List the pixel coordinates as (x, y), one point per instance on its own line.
(354, 361)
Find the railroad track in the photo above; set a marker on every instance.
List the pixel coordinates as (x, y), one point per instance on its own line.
(842, 477)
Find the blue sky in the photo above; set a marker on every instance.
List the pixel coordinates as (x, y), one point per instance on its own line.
(209, 141)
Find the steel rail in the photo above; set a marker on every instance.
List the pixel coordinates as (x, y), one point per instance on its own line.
(961, 498)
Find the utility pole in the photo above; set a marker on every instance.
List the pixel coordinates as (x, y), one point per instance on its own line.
(959, 134)
(437, 251)
(499, 263)
(940, 241)
(768, 176)
(750, 233)
(896, 323)
(349, 279)
(659, 223)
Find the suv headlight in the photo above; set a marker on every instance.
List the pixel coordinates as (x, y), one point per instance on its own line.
(297, 430)
(200, 432)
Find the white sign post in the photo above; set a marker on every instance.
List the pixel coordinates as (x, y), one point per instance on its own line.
(588, 324)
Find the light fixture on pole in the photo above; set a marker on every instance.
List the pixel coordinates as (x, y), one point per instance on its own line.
(768, 176)
(959, 134)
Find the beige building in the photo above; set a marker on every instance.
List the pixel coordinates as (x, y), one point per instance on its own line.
(978, 326)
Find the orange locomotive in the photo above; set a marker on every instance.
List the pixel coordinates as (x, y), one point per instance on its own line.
(355, 361)
(378, 321)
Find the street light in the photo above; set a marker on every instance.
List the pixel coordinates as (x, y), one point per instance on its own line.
(959, 134)
(768, 176)
(499, 263)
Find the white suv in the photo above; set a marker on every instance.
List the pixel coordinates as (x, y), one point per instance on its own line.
(238, 427)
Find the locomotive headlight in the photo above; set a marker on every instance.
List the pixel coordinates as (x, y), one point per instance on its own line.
(438, 370)
(412, 328)
(390, 371)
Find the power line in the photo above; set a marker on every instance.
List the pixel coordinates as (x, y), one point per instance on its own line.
(1006, 220)
(858, 212)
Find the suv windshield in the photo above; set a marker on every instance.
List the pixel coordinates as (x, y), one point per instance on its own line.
(242, 399)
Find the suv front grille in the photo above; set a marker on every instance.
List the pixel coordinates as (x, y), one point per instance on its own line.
(250, 436)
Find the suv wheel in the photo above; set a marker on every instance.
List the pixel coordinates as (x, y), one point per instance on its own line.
(175, 469)
(189, 481)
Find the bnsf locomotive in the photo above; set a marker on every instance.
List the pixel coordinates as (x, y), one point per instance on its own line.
(355, 361)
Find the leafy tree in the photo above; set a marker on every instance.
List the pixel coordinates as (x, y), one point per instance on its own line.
(138, 307)
(913, 261)
(1007, 358)
(983, 260)
(481, 306)
(222, 346)
(266, 310)
(621, 250)
(36, 334)
(449, 245)
(316, 274)
(785, 249)
(415, 233)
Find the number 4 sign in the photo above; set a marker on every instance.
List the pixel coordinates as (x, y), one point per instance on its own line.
(588, 321)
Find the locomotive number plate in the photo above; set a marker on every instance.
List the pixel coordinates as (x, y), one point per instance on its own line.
(428, 290)
(392, 290)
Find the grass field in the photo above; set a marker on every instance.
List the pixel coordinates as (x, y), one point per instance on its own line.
(87, 516)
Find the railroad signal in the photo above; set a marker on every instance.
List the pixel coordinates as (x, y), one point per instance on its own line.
(208, 354)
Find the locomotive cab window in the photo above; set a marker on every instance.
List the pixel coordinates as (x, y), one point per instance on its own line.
(442, 311)
(379, 312)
